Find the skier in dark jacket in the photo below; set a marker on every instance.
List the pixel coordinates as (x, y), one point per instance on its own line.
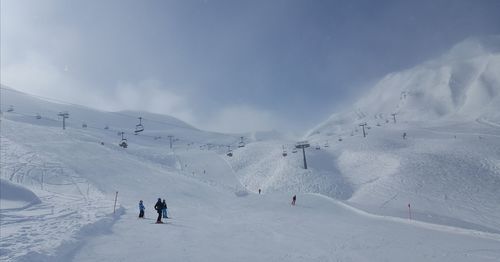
(158, 208)
(294, 198)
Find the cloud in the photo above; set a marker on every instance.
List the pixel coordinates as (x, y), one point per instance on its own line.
(148, 95)
(35, 74)
(239, 119)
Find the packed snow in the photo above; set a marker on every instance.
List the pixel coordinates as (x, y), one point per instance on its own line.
(423, 185)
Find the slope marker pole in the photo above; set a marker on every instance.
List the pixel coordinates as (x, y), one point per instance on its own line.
(114, 207)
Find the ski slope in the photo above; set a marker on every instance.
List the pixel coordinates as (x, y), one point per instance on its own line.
(58, 186)
(216, 215)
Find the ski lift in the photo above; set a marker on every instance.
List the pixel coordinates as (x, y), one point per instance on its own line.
(123, 142)
(317, 147)
(106, 127)
(326, 144)
(11, 108)
(229, 151)
(294, 150)
(284, 152)
(139, 127)
(241, 144)
(340, 139)
(84, 125)
(38, 116)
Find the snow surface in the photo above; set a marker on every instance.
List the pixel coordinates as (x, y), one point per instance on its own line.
(58, 186)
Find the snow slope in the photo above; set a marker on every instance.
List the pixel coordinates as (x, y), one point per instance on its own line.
(447, 168)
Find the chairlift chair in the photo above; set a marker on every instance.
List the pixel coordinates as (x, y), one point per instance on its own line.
(326, 144)
(38, 116)
(318, 147)
(294, 150)
(11, 109)
(84, 125)
(241, 144)
(229, 151)
(139, 127)
(284, 152)
(123, 142)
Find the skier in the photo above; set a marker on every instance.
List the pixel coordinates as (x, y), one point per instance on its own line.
(164, 209)
(294, 198)
(141, 209)
(259, 191)
(158, 208)
(404, 135)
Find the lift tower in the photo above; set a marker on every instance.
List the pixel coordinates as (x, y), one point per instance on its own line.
(303, 145)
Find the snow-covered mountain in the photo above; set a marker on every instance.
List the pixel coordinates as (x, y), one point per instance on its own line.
(462, 84)
(57, 187)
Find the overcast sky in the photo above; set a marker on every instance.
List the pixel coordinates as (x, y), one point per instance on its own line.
(235, 65)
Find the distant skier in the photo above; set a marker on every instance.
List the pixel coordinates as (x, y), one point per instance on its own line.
(164, 209)
(404, 135)
(141, 209)
(158, 208)
(259, 191)
(294, 198)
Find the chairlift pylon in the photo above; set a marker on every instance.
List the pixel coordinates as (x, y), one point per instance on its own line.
(139, 127)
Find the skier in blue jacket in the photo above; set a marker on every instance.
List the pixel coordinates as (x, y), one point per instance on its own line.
(141, 209)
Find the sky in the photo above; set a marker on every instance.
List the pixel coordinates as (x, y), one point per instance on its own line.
(226, 65)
